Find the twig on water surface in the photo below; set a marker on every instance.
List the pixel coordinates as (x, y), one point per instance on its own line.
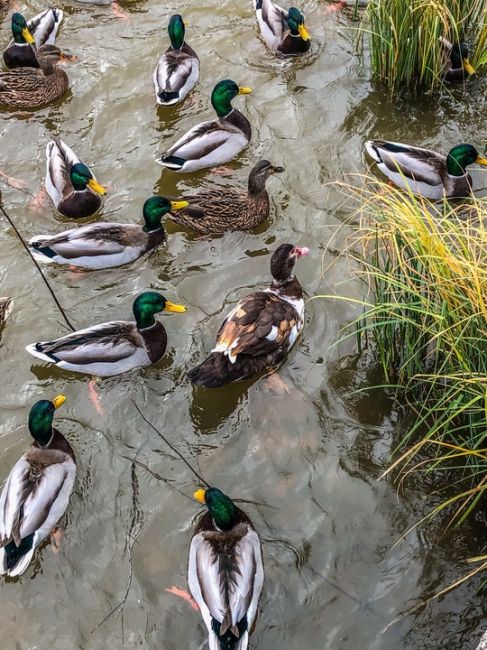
(63, 313)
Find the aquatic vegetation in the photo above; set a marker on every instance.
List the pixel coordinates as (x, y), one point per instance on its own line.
(402, 34)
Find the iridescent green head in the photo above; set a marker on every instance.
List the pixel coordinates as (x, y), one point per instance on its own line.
(156, 207)
(81, 178)
(20, 31)
(40, 419)
(221, 507)
(461, 156)
(176, 31)
(295, 21)
(223, 93)
(459, 58)
(150, 303)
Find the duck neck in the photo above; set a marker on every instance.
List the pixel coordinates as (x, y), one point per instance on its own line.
(454, 166)
(222, 106)
(256, 184)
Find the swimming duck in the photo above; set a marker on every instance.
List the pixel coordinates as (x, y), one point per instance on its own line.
(262, 328)
(36, 493)
(6, 306)
(70, 183)
(178, 69)
(105, 245)
(216, 142)
(33, 87)
(424, 172)
(225, 571)
(218, 210)
(115, 347)
(40, 30)
(283, 30)
(457, 66)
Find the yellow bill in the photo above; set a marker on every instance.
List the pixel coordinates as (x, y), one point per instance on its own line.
(58, 401)
(244, 90)
(96, 187)
(170, 306)
(468, 67)
(199, 495)
(27, 36)
(481, 161)
(303, 32)
(179, 205)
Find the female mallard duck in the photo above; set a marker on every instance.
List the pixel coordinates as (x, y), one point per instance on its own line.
(6, 306)
(425, 172)
(105, 245)
(283, 31)
(225, 571)
(178, 69)
(40, 30)
(32, 87)
(115, 347)
(216, 142)
(218, 210)
(457, 66)
(258, 333)
(70, 183)
(37, 491)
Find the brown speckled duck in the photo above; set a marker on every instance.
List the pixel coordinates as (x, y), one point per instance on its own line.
(35, 87)
(260, 330)
(218, 210)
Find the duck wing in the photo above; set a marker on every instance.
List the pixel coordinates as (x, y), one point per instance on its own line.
(60, 159)
(421, 164)
(44, 26)
(200, 141)
(176, 71)
(272, 21)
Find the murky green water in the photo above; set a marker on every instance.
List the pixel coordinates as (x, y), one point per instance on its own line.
(310, 458)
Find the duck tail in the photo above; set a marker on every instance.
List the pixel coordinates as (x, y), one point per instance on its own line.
(372, 150)
(172, 162)
(14, 559)
(41, 253)
(217, 370)
(167, 97)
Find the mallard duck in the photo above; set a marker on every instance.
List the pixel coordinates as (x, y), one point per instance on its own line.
(178, 69)
(40, 30)
(457, 66)
(6, 306)
(218, 210)
(37, 491)
(32, 87)
(70, 183)
(216, 142)
(225, 571)
(262, 328)
(283, 30)
(106, 245)
(426, 172)
(115, 347)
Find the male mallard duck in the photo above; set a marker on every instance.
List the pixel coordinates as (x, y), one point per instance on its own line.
(70, 183)
(225, 571)
(105, 245)
(216, 142)
(178, 69)
(40, 30)
(37, 491)
(32, 87)
(6, 306)
(218, 210)
(258, 333)
(283, 31)
(426, 172)
(115, 347)
(457, 66)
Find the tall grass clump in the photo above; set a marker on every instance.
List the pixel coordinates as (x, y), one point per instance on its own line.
(425, 269)
(404, 38)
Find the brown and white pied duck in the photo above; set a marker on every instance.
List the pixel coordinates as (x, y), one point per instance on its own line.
(262, 328)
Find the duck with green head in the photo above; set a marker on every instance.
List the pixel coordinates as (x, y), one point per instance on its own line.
(114, 347)
(106, 245)
(36, 493)
(283, 31)
(225, 571)
(70, 183)
(216, 142)
(424, 172)
(178, 69)
(28, 37)
(456, 63)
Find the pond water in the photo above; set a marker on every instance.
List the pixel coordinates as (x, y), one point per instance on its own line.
(307, 461)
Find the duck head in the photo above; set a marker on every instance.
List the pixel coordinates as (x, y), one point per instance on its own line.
(20, 30)
(295, 21)
(221, 507)
(260, 173)
(462, 155)
(150, 303)
(283, 261)
(176, 29)
(40, 419)
(156, 207)
(81, 178)
(459, 58)
(223, 93)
